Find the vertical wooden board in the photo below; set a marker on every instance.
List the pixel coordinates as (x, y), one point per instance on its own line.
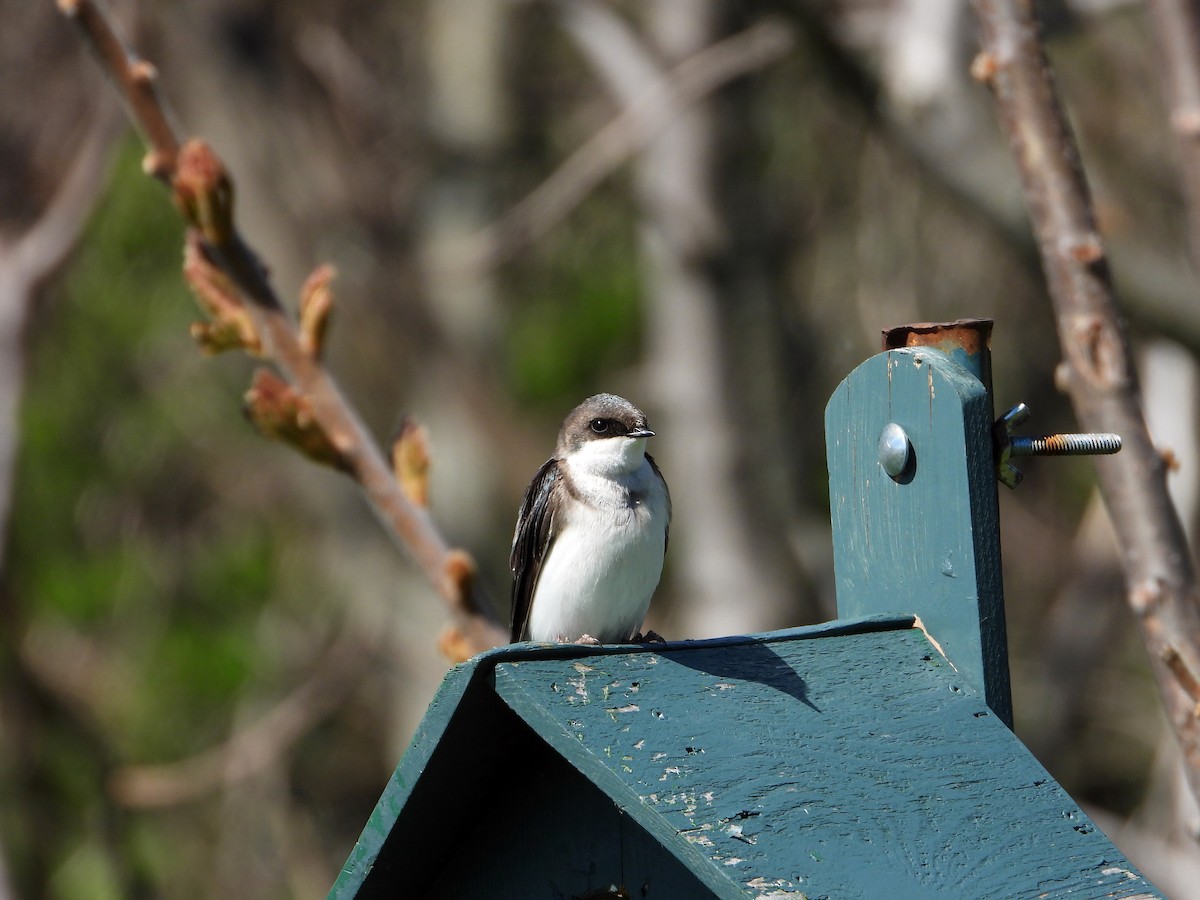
(928, 542)
(858, 765)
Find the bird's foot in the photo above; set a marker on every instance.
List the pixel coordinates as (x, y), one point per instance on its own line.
(587, 640)
(650, 637)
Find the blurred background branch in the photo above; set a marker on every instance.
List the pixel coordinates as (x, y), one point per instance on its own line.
(255, 747)
(28, 258)
(649, 107)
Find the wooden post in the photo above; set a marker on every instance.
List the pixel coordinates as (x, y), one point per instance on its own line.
(913, 501)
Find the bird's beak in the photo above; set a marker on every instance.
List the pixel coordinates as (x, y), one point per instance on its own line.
(640, 433)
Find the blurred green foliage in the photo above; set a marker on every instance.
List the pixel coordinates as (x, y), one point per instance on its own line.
(124, 545)
(579, 314)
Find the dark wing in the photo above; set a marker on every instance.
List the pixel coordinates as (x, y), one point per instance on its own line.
(531, 543)
(654, 466)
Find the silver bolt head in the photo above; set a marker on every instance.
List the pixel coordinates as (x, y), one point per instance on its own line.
(895, 450)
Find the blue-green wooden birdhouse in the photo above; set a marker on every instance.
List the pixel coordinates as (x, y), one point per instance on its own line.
(866, 757)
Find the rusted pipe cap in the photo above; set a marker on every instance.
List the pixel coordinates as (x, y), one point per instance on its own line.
(970, 335)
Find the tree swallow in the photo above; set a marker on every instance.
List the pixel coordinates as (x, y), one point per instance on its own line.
(592, 531)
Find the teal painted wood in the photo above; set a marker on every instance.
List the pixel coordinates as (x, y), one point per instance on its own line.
(433, 733)
(549, 832)
(927, 543)
(469, 746)
(851, 764)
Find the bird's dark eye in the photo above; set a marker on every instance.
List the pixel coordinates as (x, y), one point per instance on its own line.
(599, 426)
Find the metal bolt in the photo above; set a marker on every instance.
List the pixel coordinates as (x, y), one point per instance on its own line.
(1009, 445)
(895, 450)
(1066, 445)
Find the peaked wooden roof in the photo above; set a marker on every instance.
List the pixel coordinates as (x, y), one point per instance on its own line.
(845, 760)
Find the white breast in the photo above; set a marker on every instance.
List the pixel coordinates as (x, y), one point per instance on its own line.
(607, 556)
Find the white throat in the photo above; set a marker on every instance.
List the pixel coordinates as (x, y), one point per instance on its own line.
(608, 457)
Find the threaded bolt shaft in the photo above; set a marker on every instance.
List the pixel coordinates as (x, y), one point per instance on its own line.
(1066, 445)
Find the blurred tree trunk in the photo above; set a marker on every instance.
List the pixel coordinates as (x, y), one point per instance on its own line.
(710, 359)
(467, 115)
(55, 143)
(50, 177)
(712, 353)
(469, 122)
(722, 590)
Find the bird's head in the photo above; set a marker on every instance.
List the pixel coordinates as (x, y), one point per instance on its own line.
(604, 435)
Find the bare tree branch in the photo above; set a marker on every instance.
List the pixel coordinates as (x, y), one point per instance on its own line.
(135, 79)
(1177, 29)
(1097, 371)
(204, 194)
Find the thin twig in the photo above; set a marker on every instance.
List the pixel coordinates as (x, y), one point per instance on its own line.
(1097, 372)
(135, 79)
(1177, 30)
(204, 194)
(635, 126)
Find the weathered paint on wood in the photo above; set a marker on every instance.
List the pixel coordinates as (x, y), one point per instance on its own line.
(928, 542)
(858, 765)
(844, 760)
